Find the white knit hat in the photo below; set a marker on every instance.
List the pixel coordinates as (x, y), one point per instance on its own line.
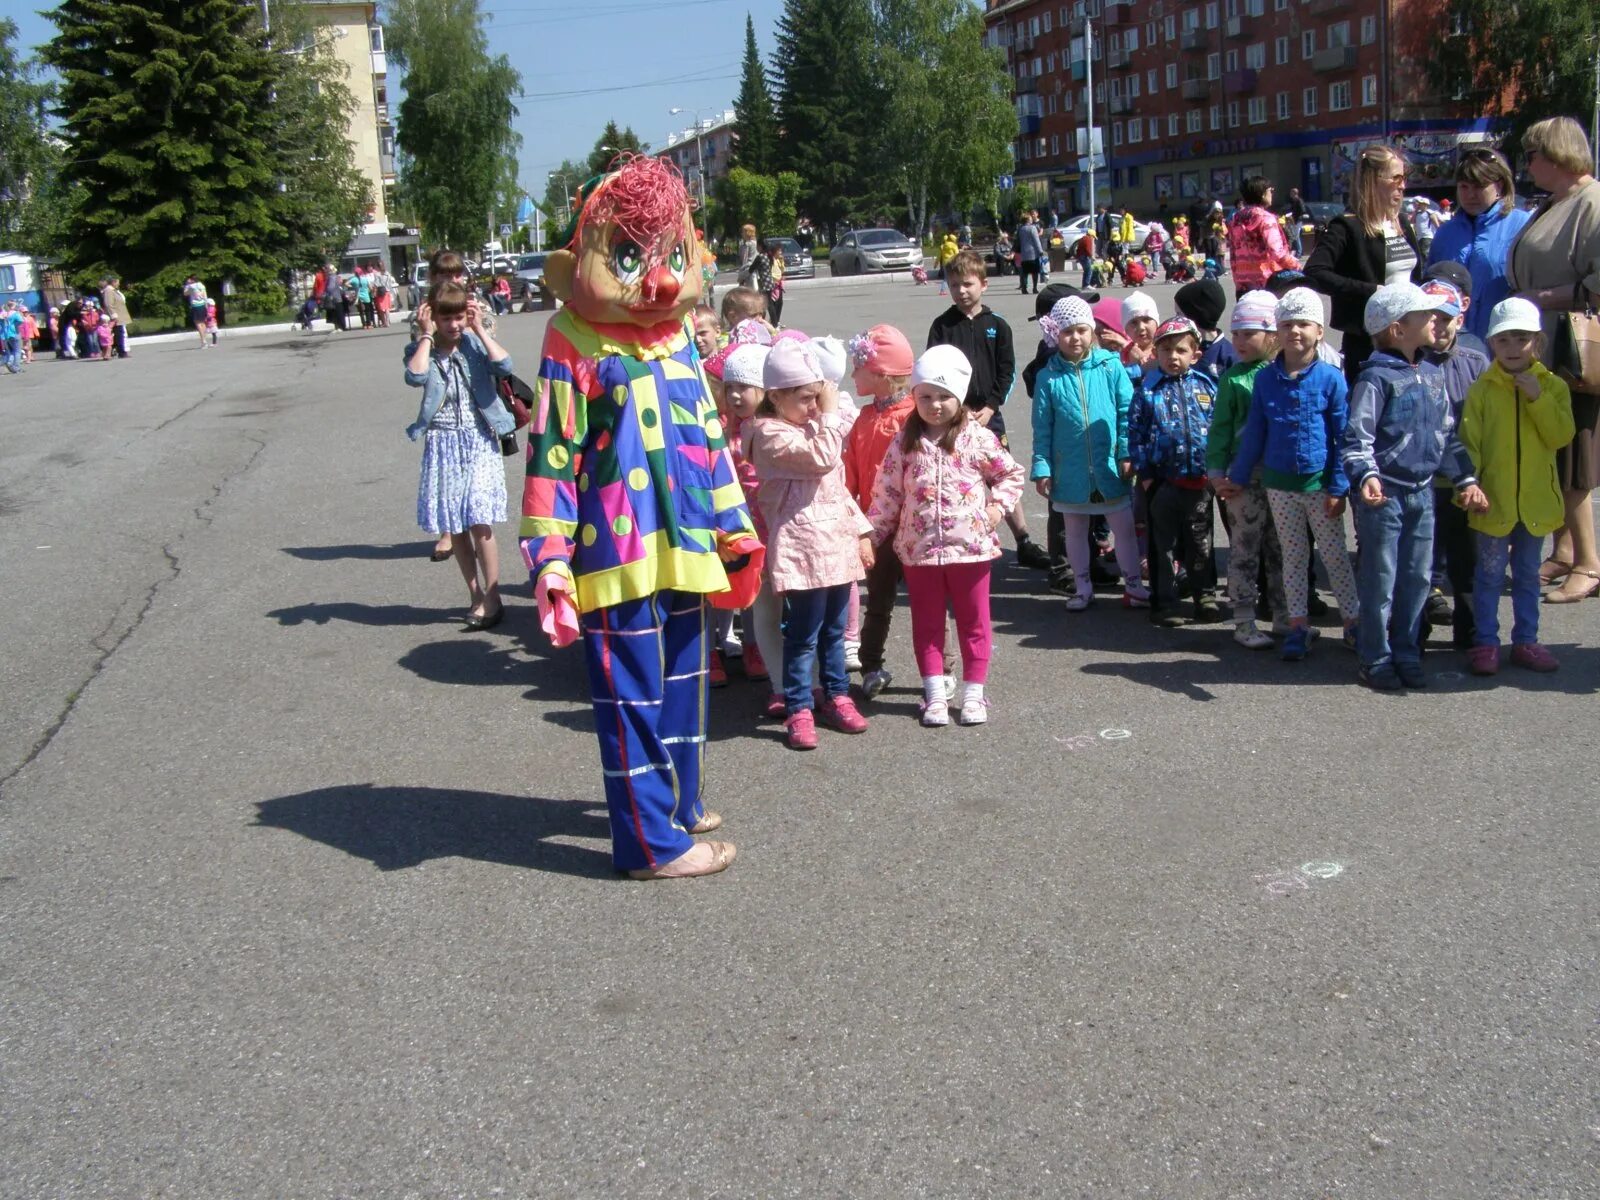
(1067, 312)
(944, 367)
(833, 359)
(745, 365)
(1299, 304)
(1140, 304)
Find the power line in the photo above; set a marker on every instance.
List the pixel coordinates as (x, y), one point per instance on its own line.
(699, 77)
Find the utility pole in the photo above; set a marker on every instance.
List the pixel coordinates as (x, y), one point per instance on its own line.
(1594, 117)
(1088, 75)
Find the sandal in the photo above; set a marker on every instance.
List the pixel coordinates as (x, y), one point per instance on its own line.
(722, 855)
(709, 823)
(1562, 595)
(1550, 579)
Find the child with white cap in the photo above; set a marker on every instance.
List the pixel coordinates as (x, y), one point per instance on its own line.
(1297, 415)
(944, 487)
(1139, 320)
(1253, 550)
(1517, 415)
(1080, 446)
(1399, 434)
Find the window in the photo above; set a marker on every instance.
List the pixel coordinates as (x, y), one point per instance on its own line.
(1213, 65)
(1066, 102)
(1047, 21)
(1279, 5)
(1116, 133)
(1038, 151)
(1230, 61)
(1191, 20)
(1216, 116)
(1062, 16)
(1050, 62)
(1150, 33)
(1283, 106)
(1169, 28)
(1231, 8)
(1255, 8)
(1211, 14)
(375, 36)
(8, 279)
(1155, 128)
(1338, 34)
(1233, 114)
(1116, 89)
(1172, 124)
(1050, 104)
(1258, 110)
(1308, 43)
(1135, 130)
(1172, 75)
(1055, 145)
(1255, 57)
(1369, 30)
(1280, 51)
(1339, 96)
(1038, 66)
(1133, 87)
(1133, 177)
(1194, 121)
(1369, 90)
(1308, 102)
(1033, 26)
(1130, 38)
(1152, 82)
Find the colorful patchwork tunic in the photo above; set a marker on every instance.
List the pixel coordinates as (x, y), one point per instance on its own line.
(630, 487)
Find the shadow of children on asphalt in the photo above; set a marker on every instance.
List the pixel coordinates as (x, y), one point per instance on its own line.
(361, 551)
(399, 827)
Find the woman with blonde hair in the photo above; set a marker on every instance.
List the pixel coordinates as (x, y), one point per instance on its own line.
(748, 249)
(1368, 247)
(1555, 263)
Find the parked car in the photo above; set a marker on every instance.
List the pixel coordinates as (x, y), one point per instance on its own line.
(527, 283)
(1319, 213)
(1072, 230)
(797, 261)
(864, 250)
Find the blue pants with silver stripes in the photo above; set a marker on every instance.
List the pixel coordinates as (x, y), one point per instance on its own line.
(648, 678)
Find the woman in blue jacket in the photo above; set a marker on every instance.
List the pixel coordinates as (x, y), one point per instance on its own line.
(1080, 446)
(1480, 234)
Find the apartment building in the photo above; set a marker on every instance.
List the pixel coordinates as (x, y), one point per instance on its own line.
(1191, 97)
(713, 150)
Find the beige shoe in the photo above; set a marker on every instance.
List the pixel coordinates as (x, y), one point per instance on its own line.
(694, 863)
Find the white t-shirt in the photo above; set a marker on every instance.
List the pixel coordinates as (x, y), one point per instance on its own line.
(1399, 258)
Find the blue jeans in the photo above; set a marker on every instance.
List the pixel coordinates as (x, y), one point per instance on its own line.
(11, 353)
(1522, 551)
(813, 628)
(1393, 574)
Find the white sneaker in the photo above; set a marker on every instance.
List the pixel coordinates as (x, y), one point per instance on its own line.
(935, 713)
(874, 682)
(852, 656)
(732, 646)
(1077, 602)
(1248, 635)
(974, 712)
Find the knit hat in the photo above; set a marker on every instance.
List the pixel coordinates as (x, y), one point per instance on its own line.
(1279, 282)
(716, 362)
(1299, 304)
(832, 358)
(752, 330)
(944, 367)
(883, 349)
(1514, 315)
(1109, 313)
(1452, 304)
(1140, 304)
(1256, 309)
(1047, 297)
(745, 365)
(1394, 302)
(791, 364)
(1452, 273)
(1066, 314)
(1177, 327)
(1203, 302)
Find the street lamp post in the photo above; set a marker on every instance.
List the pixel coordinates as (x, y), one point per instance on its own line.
(699, 158)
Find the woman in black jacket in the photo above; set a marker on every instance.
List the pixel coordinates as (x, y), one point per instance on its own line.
(1363, 250)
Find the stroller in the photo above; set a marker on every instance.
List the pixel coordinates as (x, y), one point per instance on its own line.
(308, 313)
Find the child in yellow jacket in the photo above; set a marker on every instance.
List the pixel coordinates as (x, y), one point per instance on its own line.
(1516, 416)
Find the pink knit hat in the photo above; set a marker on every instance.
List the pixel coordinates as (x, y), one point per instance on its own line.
(1109, 313)
(791, 364)
(883, 349)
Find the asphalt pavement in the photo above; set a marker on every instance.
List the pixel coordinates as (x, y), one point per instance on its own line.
(306, 892)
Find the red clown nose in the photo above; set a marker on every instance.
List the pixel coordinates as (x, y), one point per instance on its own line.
(660, 287)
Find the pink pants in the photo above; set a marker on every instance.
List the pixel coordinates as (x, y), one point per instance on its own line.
(964, 587)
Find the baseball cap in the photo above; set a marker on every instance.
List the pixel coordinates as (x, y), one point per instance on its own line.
(943, 367)
(1514, 315)
(1451, 272)
(1451, 302)
(1393, 302)
(1177, 327)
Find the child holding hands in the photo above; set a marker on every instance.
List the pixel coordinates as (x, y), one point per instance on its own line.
(944, 487)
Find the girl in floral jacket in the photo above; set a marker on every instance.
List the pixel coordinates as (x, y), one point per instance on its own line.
(944, 486)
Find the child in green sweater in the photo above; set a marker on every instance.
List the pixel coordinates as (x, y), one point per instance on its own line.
(1252, 541)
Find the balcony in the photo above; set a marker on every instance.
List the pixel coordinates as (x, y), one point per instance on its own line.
(1080, 71)
(1321, 8)
(1239, 83)
(1118, 58)
(1022, 43)
(1027, 84)
(386, 165)
(380, 63)
(1236, 28)
(1192, 39)
(1120, 106)
(1196, 89)
(1119, 12)
(1336, 58)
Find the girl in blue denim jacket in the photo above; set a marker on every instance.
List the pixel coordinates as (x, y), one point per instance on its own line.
(457, 363)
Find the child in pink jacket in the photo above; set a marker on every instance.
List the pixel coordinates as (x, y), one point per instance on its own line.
(944, 487)
(816, 534)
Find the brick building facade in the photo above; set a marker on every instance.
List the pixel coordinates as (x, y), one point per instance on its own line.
(1191, 97)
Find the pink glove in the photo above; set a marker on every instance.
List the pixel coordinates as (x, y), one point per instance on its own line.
(558, 616)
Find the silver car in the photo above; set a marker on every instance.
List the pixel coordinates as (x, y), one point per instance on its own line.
(797, 260)
(866, 250)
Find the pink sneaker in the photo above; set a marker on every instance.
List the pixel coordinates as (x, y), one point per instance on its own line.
(719, 676)
(1134, 596)
(1535, 657)
(839, 712)
(1483, 660)
(801, 730)
(755, 667)
(776, 707)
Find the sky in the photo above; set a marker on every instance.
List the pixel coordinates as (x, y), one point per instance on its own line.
(583, 64)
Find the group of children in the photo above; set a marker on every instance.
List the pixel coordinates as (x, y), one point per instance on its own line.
(1137, 423)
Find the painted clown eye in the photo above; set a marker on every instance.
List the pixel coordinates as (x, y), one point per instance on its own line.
(675, 260)
(627, 261)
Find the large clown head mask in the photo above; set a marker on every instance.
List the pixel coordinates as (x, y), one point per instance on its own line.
(630, 257)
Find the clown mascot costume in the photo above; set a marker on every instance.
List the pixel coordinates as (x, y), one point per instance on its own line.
(631, 514)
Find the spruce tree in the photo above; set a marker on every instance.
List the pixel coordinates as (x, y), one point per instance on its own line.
(167, 108)
(757, 146)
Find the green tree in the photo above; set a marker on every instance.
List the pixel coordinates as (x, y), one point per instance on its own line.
(29, 158)
(457, 146)
(1523, 62)
(948, 118)
(826, 102)
(612, 142)
(166, 106)
(757, 124)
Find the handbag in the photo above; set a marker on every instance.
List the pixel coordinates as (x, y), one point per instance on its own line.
(517, 396)
(1575, 356)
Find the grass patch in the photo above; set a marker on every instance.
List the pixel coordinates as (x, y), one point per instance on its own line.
(143, 326)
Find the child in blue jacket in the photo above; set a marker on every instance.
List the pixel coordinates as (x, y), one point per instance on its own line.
(1167, 429)
(1297, 416)
(1080, 446)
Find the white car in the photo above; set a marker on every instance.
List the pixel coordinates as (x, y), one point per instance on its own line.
(1074, 229)
(865, 250)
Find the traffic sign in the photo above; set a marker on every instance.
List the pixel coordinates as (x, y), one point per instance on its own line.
(1007, 183)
